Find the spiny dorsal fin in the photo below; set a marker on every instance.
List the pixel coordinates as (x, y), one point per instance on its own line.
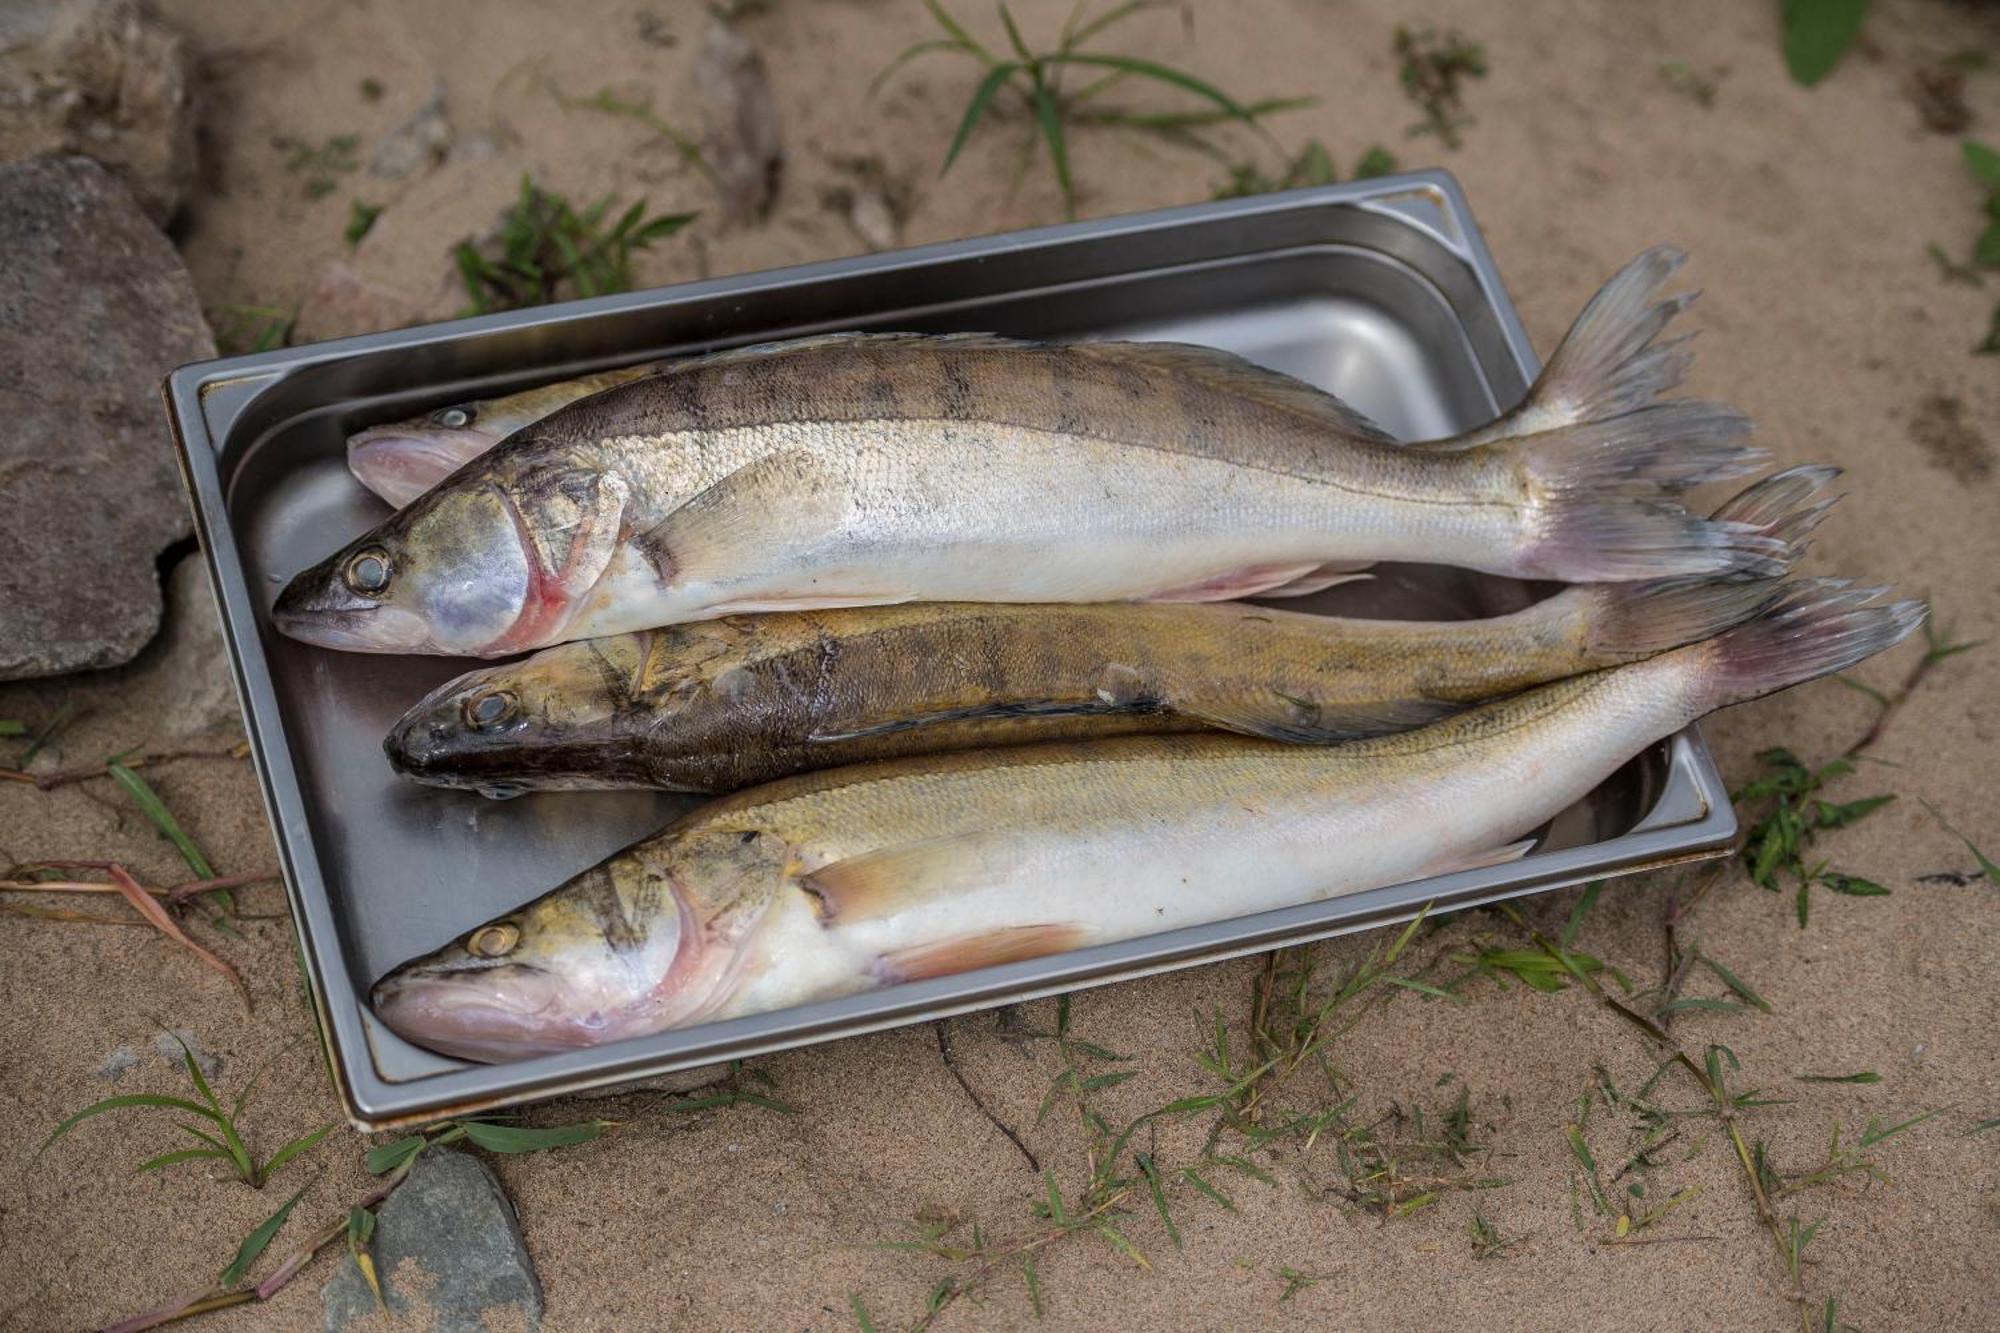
(1229, 371)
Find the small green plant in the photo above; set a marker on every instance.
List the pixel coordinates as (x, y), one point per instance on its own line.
(321, 165)
(1683, 78)
(1311, 165)
(241, 329)
(1983, 162)
(1434, 69)
(1487, 1242)
(547, 250)
(1036, 80)
(226, 1143)
(360, 220)
(1817, 33)
(1793, 819)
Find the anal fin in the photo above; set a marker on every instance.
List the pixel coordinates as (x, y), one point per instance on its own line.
(963, 953)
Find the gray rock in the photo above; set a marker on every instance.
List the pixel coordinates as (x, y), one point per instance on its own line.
(95, 308)
(447, 1250)
(419, 142)
(117, 1065)
(105, 78)
(743, 145)
(197, 695)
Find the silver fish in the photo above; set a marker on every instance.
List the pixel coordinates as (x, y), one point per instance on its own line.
(855, 470)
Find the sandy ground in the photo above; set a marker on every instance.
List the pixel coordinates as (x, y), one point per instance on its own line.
(1807, 213)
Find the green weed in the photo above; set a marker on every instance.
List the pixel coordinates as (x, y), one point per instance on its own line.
(1434, 69)
(1817, 33)
(225, 1143)
(1794, 817)
(1311, 165)
(1035, 83)
(321, 165)
(546, 250)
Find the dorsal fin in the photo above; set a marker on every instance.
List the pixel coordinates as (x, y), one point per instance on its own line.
(1226, 370)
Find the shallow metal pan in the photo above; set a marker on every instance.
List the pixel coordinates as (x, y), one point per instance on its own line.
(1380, 291)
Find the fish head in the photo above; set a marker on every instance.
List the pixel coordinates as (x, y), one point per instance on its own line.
(449, 574)
(403, 459)
(490, 564)
(556, 721)
(652, 939)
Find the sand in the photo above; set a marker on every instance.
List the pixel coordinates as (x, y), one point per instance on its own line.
(1807, 214)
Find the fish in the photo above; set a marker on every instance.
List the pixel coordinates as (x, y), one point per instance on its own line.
(721, 704)
(874, 469)
(402, 459)
(851, 879)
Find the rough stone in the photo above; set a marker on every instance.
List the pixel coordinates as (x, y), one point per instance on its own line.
(421, 141)
(197, 694)
(449, 1255)
(95, 308)
(743, 145)
(105, 78)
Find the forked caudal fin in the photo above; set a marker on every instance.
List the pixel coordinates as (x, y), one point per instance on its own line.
(1624, 621)
(1600, 517)
(1818, 627)
(1610, 362)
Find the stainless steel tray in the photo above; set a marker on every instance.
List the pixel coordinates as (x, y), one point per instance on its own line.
(1380, 291)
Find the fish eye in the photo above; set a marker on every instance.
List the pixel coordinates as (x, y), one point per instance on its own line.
(368, 571)
(490, 709)
(494, 941)
(453, 418)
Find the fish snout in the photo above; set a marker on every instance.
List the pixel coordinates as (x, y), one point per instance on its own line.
(318, 607)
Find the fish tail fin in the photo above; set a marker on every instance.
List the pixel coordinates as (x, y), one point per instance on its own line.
(1611, 361)
(1778, 505)
(1817, 627)
(1597, 515)
(1624, 621)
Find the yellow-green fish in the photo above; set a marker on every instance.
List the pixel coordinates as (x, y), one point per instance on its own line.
(872, 469)
(721, 704)
(854, 878)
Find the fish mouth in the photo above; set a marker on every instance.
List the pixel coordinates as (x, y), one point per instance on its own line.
(399, 463)
(317, 608)
(480, 1013)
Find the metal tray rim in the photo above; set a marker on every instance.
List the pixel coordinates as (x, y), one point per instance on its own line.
(373, 1102)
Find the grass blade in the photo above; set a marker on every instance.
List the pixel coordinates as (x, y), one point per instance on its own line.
(861, 1316)
(1865, 1076)
(294, 1148)
(1163, 74)
(155, 809)
(361, 1230)
(176, 1157)
(149, 907)
(524, 1138)
(1045, 112)
(257, 1241)
(1152, 1170)
(976, 108)
(127, 1099)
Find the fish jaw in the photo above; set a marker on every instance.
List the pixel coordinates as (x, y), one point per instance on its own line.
(399, 462)
(504, 1015)
(316, 607)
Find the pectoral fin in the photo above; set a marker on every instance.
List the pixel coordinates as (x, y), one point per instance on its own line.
(966, 952)
(883, 883)
(756, 518)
